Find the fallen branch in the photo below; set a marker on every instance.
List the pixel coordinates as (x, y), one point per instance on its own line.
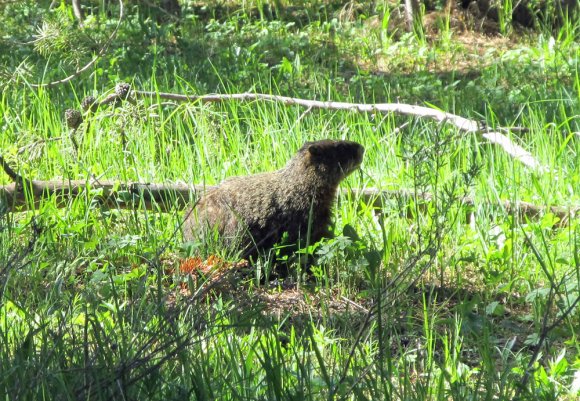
(123, 92)
(380, 199)
(167, 197)
(108, 194)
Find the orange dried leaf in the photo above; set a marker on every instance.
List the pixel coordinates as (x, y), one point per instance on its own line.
(190, 265)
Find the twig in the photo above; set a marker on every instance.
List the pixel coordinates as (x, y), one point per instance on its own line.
(412, 14)
(352, 303)
(516, 151)
(461, 123)
(94, 60)
(400, 128)
(378, 199)
(22, 149)
(10, 173)
(301, 116)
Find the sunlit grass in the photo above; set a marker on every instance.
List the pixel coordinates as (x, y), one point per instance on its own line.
(94, 304)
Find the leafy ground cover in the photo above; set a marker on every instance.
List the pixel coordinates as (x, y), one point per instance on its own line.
(414, 300)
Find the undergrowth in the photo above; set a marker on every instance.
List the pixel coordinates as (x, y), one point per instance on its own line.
(412, 299)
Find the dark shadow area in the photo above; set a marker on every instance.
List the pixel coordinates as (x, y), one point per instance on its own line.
(289, 307)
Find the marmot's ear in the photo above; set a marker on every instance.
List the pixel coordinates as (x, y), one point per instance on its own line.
(314, 149)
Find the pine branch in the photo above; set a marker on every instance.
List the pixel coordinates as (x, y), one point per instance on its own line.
(100, 53)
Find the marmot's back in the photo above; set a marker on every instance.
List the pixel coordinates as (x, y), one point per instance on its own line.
(253, 212)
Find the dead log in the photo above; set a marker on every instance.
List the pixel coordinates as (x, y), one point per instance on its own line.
(382, 198)
(169, 197)
(108, 194)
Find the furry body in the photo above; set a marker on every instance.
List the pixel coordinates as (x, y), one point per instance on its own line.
(254, 212)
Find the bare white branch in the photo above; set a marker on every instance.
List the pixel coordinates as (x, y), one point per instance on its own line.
(461, 123)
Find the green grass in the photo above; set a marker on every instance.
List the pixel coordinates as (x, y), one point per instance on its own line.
(411, 302)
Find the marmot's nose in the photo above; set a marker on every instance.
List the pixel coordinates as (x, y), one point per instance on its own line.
(360, 152)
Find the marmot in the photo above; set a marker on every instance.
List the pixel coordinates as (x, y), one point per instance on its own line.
(257, 211)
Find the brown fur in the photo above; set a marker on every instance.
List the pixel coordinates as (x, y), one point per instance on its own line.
(253, 212)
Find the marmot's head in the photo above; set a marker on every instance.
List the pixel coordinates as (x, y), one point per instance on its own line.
(334, 158)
